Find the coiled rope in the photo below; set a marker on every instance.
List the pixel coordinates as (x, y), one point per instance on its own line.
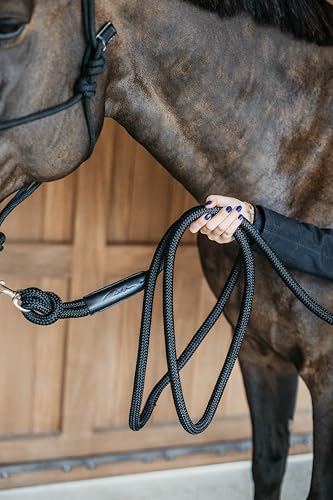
(45, 308)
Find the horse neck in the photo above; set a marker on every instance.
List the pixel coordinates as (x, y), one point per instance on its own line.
(223, 104)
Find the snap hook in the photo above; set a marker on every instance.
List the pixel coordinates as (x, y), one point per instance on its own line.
(14, 295)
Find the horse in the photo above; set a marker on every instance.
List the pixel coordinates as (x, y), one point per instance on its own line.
(230, 96)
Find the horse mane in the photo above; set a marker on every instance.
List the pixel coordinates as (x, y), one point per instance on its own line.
(310, 20)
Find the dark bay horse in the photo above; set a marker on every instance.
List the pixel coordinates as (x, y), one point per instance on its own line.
(231, 96)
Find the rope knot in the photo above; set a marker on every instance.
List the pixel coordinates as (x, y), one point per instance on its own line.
(44, 307)
(94, 66)
(86, 87)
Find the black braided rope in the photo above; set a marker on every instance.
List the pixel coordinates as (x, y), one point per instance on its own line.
(46, 308)
(165, 256)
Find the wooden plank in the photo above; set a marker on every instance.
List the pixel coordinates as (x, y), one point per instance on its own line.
(31, 370)
(46, 216)
(120, 206)
(58, 210)
(35, 260)
(144, 199)
(27, 224)
(128, 259)
(87, 274)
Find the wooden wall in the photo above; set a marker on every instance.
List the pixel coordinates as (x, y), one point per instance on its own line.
(65, 390)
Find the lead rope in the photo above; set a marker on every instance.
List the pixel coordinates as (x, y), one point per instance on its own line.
(44, 308)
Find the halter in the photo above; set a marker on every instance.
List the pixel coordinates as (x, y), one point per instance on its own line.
(93, 64)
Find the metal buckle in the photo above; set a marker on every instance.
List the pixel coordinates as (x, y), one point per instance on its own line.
(14, 296)
(99, 35)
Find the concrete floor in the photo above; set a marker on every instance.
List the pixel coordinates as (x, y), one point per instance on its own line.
(213, 482)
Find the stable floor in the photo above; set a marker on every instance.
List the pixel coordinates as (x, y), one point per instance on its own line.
(213, 482)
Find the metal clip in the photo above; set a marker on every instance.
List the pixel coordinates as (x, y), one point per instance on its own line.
(14, 296)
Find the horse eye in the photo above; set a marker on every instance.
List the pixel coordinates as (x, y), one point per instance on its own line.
(10, 28)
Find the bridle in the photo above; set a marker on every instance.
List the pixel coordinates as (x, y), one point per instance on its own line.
(93, 64)
(45, 308)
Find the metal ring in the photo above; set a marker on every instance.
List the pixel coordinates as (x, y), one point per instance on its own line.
(17, 303)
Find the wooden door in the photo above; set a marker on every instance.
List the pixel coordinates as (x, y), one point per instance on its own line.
(65, 390)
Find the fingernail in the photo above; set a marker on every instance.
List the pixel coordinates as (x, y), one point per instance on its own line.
(208, 216)
(209, 202)
(240, 217)
(239, 208)
(228, 209)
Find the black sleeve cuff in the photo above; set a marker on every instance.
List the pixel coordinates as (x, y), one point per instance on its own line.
(258, 224)
(259, 218)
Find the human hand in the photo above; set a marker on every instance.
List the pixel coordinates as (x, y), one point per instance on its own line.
(222, 226)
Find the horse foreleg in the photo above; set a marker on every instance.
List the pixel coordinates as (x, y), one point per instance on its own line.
(271, 387)
(322, 400)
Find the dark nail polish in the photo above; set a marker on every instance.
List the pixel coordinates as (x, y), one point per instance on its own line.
(240, 217)
(208, 216)
(228, 209)
(209, 202)
(239, 208)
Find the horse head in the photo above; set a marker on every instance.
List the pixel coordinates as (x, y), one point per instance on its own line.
(42, 45)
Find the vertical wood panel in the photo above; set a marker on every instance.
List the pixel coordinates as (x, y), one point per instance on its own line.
(27, 223)
(144, 199)
(31, 370)
(58, 210)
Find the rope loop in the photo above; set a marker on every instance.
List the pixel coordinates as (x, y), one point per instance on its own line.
(95, 65)
(44, 308)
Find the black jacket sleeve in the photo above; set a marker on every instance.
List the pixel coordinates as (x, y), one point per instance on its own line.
(299, 246)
